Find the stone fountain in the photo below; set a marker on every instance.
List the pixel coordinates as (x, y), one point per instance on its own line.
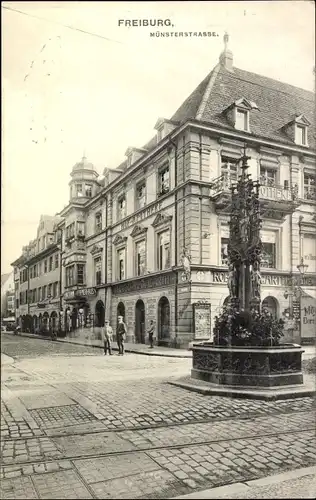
(246, 358)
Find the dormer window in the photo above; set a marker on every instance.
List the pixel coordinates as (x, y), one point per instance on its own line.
(238, 113)
(242, 119)
(297, 130)
(301, 135)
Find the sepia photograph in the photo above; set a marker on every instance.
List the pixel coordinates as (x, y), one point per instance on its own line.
(158, 250)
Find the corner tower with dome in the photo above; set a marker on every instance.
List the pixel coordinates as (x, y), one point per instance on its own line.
(84, 181)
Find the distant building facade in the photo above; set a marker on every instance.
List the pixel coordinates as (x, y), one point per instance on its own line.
(148, 240)
(7, 296)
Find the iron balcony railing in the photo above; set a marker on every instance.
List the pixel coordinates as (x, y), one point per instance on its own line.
(310, 193)
(268, 191)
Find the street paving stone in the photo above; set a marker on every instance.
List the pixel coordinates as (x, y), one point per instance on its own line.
(25, 347)
(155, 403)
(198, 461)
(17, 488)
(191, 433)
(61, 485)
(138, 436)
(13, 423)
(115, 466)
(90, 444)
(24, 450)
(59, 416)
(146, 485)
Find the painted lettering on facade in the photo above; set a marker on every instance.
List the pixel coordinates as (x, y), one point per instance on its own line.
(82, 292)
(141, 215)
(267, 279)
(275, 193)
(144, 284)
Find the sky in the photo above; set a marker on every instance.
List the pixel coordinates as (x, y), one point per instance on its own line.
(73, 81)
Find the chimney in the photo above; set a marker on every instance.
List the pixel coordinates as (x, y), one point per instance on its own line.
(226, 57)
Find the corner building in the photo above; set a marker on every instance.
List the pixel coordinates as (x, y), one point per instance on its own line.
(125, 234)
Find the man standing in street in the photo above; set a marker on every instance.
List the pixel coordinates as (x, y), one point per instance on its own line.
(107, 334)
(151, 331)
(121, 331)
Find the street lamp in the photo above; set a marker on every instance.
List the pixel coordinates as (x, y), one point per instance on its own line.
(302, 267)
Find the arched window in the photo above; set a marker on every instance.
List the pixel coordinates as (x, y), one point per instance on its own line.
(99, 313)
(271, 304)
(140, 321)
(121, 310)
(163, 321)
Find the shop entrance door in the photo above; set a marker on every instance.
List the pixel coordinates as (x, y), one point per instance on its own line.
(140, 322)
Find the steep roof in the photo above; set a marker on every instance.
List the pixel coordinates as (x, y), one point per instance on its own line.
(278, 102)
(4, 278)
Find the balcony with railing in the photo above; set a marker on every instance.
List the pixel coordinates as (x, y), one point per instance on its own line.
(272, 196)
(310, 193)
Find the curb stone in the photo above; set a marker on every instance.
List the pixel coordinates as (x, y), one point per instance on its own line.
(231, 489)
(185, 354)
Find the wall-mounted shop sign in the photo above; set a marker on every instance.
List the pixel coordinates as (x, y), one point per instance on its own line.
(86, 292)
(141, 215)
(82, 292)
(267, 279)
(145, 284)
(202, 320)
(308, 318)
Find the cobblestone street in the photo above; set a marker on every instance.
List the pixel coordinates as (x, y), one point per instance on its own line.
(77, 424)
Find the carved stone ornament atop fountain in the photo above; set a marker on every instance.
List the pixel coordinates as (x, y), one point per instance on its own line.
(246, 352)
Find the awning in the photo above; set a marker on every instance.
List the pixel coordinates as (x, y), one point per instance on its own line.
(309, 291)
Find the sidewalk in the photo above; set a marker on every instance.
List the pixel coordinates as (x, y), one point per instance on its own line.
(300, 483)
(129, 347)
(6, 360)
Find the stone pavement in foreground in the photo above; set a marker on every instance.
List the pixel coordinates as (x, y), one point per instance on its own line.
(76, 424)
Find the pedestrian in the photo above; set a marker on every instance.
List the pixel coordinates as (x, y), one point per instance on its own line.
(107, 334)
(151, 331)
(121, 331)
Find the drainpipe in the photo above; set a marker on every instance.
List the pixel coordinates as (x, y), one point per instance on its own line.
(106, 243)
(28, 289)
(176, 240)
(60, 281)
